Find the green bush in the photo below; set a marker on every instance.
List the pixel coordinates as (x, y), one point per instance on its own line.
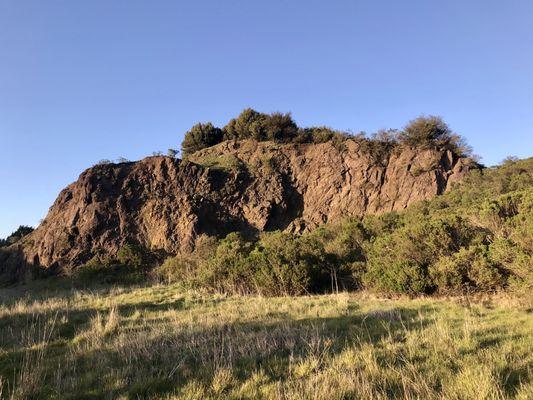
(415, 247)
(180, 268)
(469, 269)
(278, 264)
(398, 277)
(287, 265)
(432, 130)
(228, 270)
(251, 124)
(199, 137)
(343, 251)
(132, 255)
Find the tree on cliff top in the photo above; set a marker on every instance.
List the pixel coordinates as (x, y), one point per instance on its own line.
(201, 136)
(259, 126)
(432, 130)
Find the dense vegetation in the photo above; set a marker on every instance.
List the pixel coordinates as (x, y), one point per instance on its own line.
(279, 127)
(477, 237)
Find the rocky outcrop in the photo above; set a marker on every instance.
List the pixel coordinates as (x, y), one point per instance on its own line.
(165, 204)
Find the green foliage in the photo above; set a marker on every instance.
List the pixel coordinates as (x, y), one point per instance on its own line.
(468, 269)
(130, 265)
(199, 137)
(287, 265)
(478, 237)
(414, 248)
(321, 134)
(251, 124)
(227, 162)
(278, 264)
(280, 127)
(432, 130)
(132, 255)
(21, 231)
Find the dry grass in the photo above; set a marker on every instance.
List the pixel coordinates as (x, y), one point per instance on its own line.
(163, 342)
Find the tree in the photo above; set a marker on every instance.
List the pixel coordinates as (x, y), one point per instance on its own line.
(199, 137)
(249, 124)
(280, 127)
(260, 126)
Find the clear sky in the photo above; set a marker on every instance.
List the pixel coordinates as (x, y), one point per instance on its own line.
(82, 81)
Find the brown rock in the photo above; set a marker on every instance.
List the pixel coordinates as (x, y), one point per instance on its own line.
(165, 204)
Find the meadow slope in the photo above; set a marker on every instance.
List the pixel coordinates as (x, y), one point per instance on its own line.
(164, 342)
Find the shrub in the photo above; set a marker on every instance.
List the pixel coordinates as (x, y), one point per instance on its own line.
(414, 247)
(105, 269)
(227, 270)
(287, 265)
(391, 272)
(432, 130)
(343, 250)
(249, 124)
(280, 127)
(21, 231)
(321, 134)
(185, 267)
(259, 126)
(180, 268)
(470, 268)
(132, 255)
(199, 137)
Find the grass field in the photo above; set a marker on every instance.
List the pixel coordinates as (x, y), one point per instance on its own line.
(163, 342)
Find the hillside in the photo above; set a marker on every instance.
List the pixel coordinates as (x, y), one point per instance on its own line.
(164, 204)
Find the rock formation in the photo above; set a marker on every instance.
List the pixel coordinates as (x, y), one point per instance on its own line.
(164, 204)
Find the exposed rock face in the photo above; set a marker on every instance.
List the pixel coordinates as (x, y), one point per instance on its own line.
(165, 204)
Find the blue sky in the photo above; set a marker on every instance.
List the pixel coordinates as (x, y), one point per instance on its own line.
(82, 81)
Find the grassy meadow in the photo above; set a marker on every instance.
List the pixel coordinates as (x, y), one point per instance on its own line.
(163, 341)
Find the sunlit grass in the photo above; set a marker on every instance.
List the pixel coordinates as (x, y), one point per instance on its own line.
(164, 342)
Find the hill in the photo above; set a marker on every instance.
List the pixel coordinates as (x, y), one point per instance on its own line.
(164, 205)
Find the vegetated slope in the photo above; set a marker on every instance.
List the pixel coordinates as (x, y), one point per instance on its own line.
(164, 204)
(160, 342)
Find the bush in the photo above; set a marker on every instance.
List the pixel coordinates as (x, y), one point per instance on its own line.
(21, 231)
(320, 134)
(287, 265)
(466, 270)
(279, 264)
(432, 130)
(228, 271)
(391, 268)
(180, 268)
(199, 137)
(251, 124)
(343, 251)
(132, 255)
(414, 247)
(398, 277)
(280, 127)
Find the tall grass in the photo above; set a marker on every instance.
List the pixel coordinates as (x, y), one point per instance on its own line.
(164, 342)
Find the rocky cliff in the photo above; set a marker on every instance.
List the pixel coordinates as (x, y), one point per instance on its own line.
(165, 204)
